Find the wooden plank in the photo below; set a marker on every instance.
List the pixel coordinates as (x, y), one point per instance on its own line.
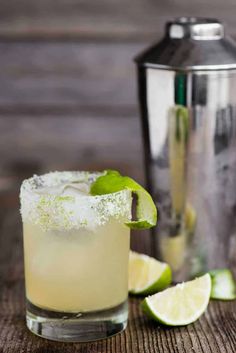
(213, 333)
(68, 77)
(108, 19)
(70, 142)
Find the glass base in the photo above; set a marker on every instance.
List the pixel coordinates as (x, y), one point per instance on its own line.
(76, 327)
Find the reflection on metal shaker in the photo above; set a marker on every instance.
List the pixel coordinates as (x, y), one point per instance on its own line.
(188, 109)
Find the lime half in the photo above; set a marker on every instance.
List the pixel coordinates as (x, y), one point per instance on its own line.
(179, 305)
(223, 284)
(112, 181)
(147, 275)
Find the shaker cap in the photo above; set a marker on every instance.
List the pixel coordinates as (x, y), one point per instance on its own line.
(192, 43)
(195, 28)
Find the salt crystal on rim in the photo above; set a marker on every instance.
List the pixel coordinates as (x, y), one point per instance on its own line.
(61, 200)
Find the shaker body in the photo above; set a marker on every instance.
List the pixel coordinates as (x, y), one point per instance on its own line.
(189, 128)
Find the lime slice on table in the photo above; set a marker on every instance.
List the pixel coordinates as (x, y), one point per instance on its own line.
(179, 305)
(147, 275)
(223, 284)
(113, 181)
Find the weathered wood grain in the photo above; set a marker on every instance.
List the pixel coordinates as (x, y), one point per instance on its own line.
(68, 106)
(68, 76)
(213, 333)
(106, 19)
(31, 144)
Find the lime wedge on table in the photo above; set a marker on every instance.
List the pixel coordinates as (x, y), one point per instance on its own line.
(223, 284)
(181, 304)
(147, 275)
(112, 181)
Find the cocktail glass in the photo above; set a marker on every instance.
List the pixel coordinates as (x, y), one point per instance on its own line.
(76, 249)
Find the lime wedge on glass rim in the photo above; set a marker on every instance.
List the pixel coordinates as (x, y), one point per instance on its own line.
(113, 181)
(147, 275)
(223, 284)
(179, 305)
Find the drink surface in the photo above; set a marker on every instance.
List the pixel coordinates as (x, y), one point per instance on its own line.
(76, 246)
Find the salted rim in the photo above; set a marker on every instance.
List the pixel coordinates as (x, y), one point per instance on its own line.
(54, 211)
(53, 179)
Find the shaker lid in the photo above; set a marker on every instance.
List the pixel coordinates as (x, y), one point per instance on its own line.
(192, 43)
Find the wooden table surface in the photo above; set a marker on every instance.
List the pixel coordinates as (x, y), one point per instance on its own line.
(215, 331)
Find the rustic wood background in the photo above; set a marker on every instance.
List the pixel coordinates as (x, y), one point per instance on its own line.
(68, 101)
(68, 88)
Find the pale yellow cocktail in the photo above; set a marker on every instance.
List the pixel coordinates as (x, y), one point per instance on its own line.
(76, 247)
(77, 270)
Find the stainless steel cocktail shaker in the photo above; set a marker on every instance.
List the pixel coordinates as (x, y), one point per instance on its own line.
(187, 94)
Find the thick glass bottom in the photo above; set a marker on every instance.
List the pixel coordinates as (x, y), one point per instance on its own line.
(76, 327)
